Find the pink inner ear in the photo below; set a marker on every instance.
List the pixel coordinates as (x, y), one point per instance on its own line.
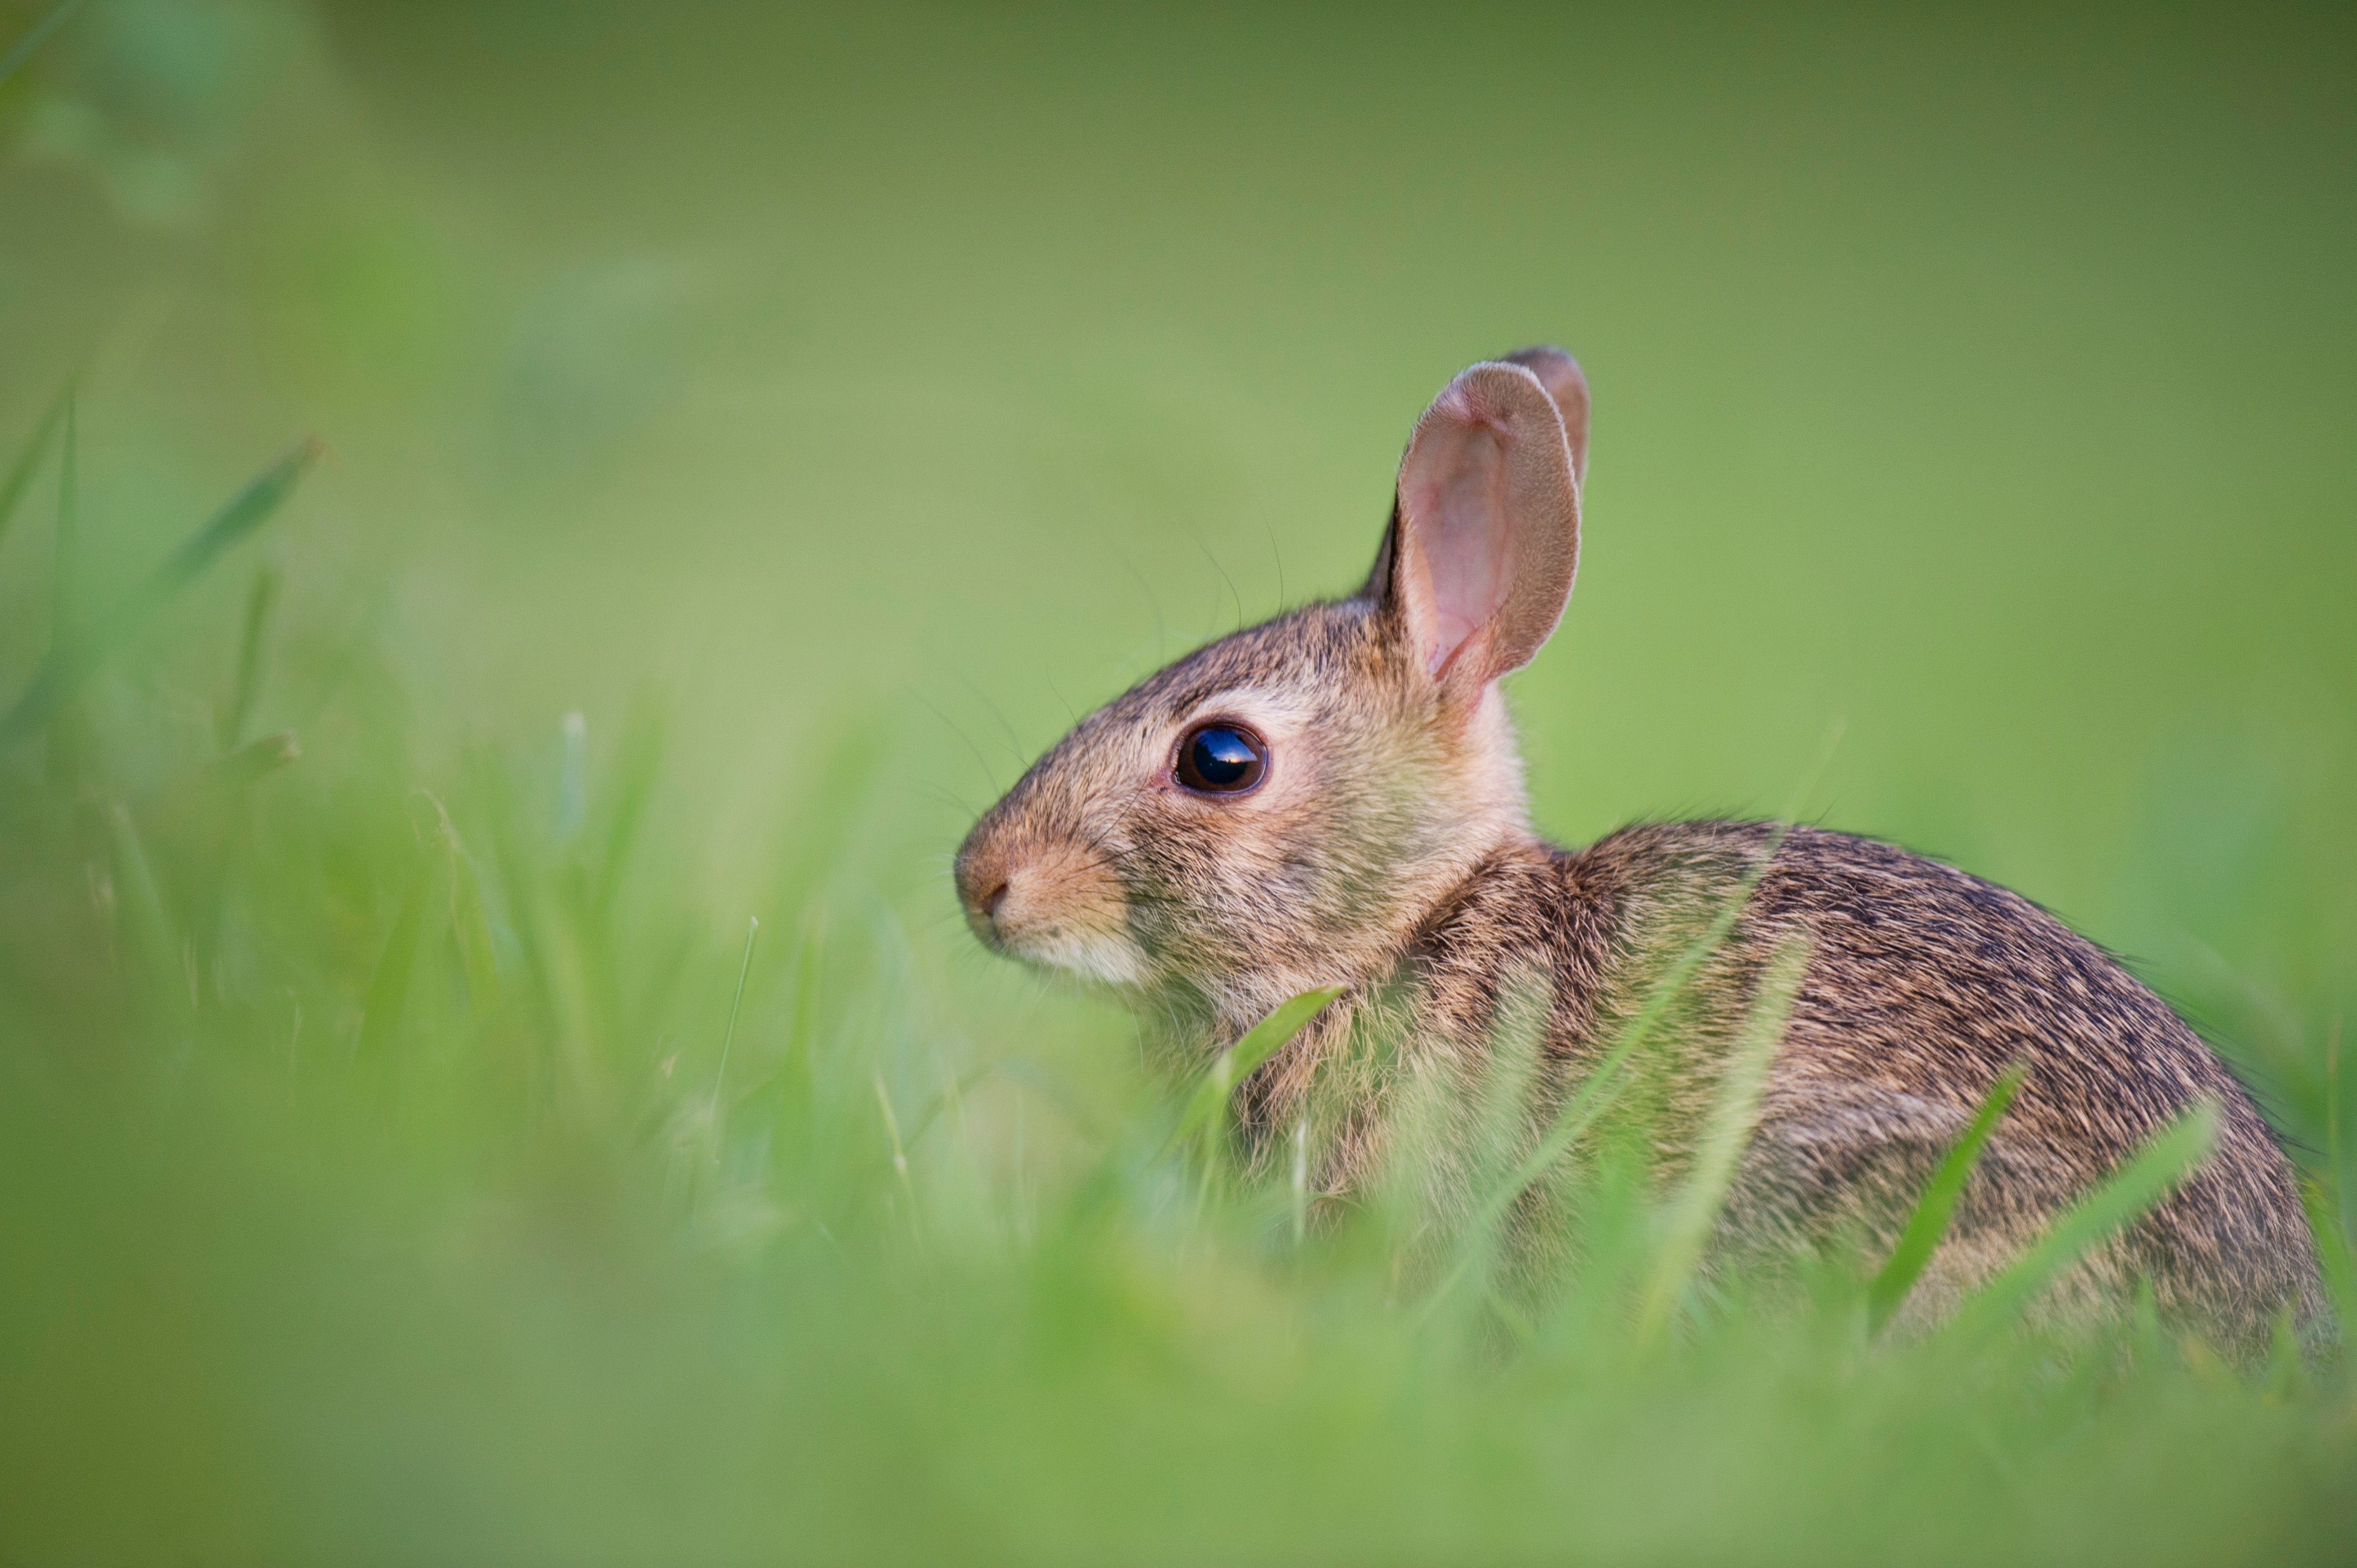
(1457, 498)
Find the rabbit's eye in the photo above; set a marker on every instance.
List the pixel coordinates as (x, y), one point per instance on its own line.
(1222, 760)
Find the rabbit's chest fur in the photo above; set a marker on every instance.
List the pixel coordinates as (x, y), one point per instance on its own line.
(1923, 983)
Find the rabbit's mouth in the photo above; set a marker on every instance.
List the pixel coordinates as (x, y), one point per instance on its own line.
(1055, 905)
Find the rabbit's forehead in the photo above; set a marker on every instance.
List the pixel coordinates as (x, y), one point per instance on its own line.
(1279, 712)
(1281, 674)
(1274, 711)
(1277, 705)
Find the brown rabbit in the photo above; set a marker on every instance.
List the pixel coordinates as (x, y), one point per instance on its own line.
(1334, 797)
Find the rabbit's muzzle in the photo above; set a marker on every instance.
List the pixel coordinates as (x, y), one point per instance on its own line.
(1047, 901)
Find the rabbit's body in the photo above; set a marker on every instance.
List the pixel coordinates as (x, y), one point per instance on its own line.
(1334, 797)
(1922, 984)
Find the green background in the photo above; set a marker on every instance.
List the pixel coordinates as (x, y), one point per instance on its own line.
(868, 392)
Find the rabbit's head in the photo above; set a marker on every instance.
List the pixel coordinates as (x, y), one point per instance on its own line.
(1285, 807)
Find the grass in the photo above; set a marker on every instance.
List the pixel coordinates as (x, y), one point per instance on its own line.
(384, 1185)
(489, 1067)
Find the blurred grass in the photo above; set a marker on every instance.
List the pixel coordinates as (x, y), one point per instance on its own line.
(824, 407)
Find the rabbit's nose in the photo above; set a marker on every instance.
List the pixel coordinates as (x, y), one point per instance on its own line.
(982, 879)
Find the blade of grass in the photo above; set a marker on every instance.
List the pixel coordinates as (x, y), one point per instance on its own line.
(68, 734)
(1595, 1095)
(2333, 1256)
(728, 1039)
(1262, 1041)
(1599, 1089)
(2164, 1160)
(950, 1097)
(388, 991)
(229, 729)
(1726, 1135)
(573, 778)
(1513, 1074)
(899, 1155)
(518, 873)
(71, 661)
(471, 924)
(1299, 1186)
(1929, 1222)
(635, 762)
(28, 461)
(149, 924)
(2332, 1127)
(258, 759)
(65, 558)
(14, 60)
(243, 513)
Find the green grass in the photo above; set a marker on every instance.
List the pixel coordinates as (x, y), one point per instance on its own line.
(382, 1185)
(752, 437)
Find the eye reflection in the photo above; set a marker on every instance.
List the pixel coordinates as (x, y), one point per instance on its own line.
(1222, 760)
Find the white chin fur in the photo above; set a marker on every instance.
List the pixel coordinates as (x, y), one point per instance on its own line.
(1101, 959)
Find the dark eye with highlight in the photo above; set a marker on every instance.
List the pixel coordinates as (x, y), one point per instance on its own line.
(1221, 758)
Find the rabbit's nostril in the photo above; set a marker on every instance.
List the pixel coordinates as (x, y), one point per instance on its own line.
(992, 900)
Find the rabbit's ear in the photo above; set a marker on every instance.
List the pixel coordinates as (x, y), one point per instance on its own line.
(1559, 373)
(1484, 538)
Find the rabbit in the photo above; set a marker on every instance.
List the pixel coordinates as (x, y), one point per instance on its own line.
(1334, 797)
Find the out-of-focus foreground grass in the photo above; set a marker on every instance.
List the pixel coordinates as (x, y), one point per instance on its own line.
(749, 432)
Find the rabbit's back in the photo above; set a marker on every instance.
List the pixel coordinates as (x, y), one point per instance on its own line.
(1923, 983)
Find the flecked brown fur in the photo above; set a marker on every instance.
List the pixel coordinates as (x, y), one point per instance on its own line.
(1388, 848)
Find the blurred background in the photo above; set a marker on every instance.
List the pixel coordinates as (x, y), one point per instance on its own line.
(865, 392)
(1984, 382)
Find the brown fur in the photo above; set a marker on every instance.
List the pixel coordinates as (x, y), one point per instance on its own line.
(1389, 849)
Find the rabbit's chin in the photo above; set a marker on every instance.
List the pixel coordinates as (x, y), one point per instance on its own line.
(1087, 960)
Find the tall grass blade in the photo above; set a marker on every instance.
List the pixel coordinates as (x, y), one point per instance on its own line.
(1297, 1188)
(518, 873)
(69, 741)
(28, 461)
(1603, 1083)
(244, 511)
(229, 729)
(1807, 783)
(1724, 1138)
(1262, 1041)
(899, 1155)
(635, 763)
(258, 759)
(14, 60)
(2334, 1259)
(2163, 1161)
(70, 661)
(1514, 1073)
(728, 1039)
(2332, 1156)
(65, 562)
(470, 925)
(388, 991)
(573, 778)
(146, 922)
(1929, 1222)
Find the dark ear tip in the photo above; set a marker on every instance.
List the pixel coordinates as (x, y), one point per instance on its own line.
(1552, 365)
(1539, 354)
(1561, 375)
